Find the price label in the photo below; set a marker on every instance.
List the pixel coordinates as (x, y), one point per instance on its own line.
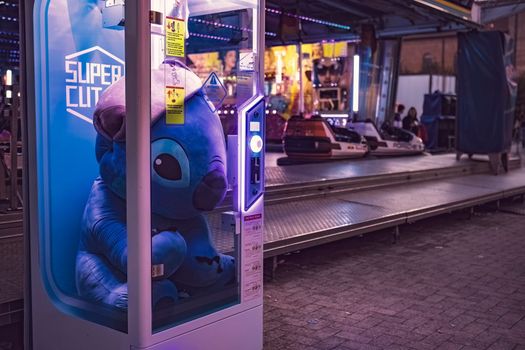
(253, 257)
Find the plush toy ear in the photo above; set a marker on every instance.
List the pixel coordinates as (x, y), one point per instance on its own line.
(110, 122)
(109, 118)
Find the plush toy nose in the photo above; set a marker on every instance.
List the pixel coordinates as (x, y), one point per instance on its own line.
(211, 190)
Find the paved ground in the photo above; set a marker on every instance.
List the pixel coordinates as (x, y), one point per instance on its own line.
(451, 283)
(11, 269)
(11, 293)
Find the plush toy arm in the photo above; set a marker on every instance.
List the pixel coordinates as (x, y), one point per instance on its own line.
(105, 226)
(106, 233)
(111, 236)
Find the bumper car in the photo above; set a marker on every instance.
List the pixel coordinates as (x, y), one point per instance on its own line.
(315, 139)
(389, 141)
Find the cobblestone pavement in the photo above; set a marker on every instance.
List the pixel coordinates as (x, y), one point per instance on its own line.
(450, 283)
(11, 269)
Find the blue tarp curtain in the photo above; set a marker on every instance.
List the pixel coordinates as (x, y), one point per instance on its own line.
(486, 95)
(430, 118)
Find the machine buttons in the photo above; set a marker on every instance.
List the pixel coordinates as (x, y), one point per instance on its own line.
(255, 174)
(256, 144)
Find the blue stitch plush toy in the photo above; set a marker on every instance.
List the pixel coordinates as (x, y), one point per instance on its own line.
(188, 176)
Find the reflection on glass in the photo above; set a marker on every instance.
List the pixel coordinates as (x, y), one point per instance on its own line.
(194, 251)
(81, 206)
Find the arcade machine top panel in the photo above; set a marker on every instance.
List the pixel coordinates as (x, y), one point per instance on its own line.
(196, 183)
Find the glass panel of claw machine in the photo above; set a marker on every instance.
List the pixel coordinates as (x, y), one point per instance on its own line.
(79, 54)
(206, 118)
(205, 121)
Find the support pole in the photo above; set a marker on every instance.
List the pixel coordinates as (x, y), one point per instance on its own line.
(275, 263)
(301, 79)
(396, 235)
(138, 186)
(13, 177)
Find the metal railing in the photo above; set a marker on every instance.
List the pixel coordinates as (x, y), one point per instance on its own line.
(11, 151)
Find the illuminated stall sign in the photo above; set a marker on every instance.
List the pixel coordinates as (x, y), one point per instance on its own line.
(88, 73)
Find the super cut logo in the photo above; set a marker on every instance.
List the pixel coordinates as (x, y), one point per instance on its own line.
(88, 73)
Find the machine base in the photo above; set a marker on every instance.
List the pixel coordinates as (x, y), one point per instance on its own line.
(240, 331)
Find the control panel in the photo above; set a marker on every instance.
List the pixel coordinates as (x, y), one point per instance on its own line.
(254, 153)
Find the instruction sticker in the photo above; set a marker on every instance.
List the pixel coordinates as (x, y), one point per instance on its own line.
(174, 105)
(247, 61)
(175, 37)
(215, 91)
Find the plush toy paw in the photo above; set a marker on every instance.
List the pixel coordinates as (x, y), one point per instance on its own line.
(168, 248)
(118, 297)
(227, 275)
(164, 294)
(205, 272)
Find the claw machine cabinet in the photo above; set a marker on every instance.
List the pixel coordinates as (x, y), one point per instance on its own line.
(145, 216)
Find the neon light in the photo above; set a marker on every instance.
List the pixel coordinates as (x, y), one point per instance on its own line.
(309, 19)
(334, 115)
(279, 72)
(9, 77)
(241, 171)
(355, 98)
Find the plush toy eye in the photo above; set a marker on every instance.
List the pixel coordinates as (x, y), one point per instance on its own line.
(167, 167)
(170, 164)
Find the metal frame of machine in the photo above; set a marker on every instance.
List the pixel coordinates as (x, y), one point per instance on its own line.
(51, 325)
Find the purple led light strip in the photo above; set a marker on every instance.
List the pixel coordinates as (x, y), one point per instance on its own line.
(206, 36)
(229, 26)
(309, 19)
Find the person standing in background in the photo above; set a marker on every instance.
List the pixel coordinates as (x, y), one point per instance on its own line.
(410, 121)
(397, 123)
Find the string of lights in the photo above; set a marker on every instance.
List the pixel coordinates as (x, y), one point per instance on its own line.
(9, 34)
(9, 41)
(196, 20)
(309, 19)
(8, 4)
(229, 26)
(207, 36)
(7, 18)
